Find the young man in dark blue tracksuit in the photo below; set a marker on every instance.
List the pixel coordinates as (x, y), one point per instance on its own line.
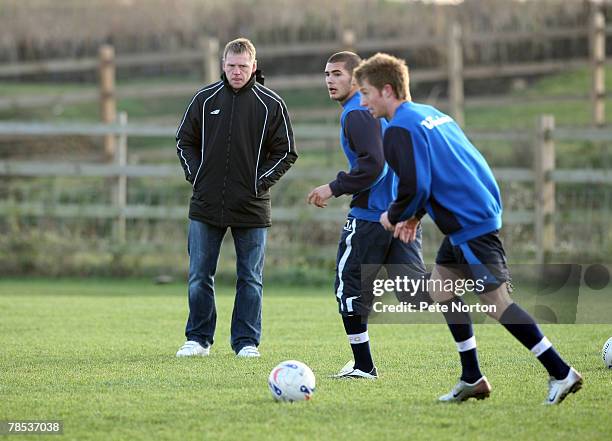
(442, 172)
(363, 240)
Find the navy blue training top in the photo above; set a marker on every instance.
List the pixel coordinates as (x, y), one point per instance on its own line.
(370, 180)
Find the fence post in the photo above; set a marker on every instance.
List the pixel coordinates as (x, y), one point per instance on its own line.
(108, 103)
(455, 73)
(348, 40)
(544, 189)
(211, 69)
(597, 39)
(120, 190)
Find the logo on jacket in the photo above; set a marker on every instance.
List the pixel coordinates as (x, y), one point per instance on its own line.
(215, 112)
(430, 122)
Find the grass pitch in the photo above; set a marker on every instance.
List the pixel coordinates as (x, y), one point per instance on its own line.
(99, 355)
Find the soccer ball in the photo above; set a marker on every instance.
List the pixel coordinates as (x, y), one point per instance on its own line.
(291, 381)
(606, 353)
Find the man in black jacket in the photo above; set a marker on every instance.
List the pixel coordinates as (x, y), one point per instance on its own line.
(234, 142)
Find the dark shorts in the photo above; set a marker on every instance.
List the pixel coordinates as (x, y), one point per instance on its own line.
(480, 259)
(368, 243)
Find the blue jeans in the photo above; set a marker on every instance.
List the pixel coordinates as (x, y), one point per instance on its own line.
(204, 244)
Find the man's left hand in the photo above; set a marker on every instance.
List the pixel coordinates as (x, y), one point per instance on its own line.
(406, 230)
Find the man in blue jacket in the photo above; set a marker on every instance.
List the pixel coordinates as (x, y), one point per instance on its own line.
(440, 171)
(363, 240)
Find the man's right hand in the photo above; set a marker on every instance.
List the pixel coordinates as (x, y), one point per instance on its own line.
(319, 196)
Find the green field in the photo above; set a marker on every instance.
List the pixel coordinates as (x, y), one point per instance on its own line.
(99, 355)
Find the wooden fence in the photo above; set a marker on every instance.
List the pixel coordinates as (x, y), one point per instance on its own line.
(455, 73)
(544, 175)
(207, 54)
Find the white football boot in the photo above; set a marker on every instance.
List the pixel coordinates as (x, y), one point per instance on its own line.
(462, 391)
(193, 349)
(559, 389)
(349, 371)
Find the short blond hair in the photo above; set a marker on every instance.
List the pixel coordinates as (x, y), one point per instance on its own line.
(381, 69)
(240, 46)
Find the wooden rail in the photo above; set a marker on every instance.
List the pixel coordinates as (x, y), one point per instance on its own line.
(544, 175)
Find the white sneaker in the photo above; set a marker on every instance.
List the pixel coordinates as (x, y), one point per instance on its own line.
(248, 352)
(349, 371)
(559, 389)
(193, 349)
(462, 391)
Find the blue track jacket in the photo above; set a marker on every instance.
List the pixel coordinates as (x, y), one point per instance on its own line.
(370, 180)
(440, 170)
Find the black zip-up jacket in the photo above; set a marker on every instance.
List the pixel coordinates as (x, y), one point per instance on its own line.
(233, 146)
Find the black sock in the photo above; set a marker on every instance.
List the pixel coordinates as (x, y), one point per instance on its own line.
(423, 295)
(357, 333)
(460, 325)
(522, 326)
